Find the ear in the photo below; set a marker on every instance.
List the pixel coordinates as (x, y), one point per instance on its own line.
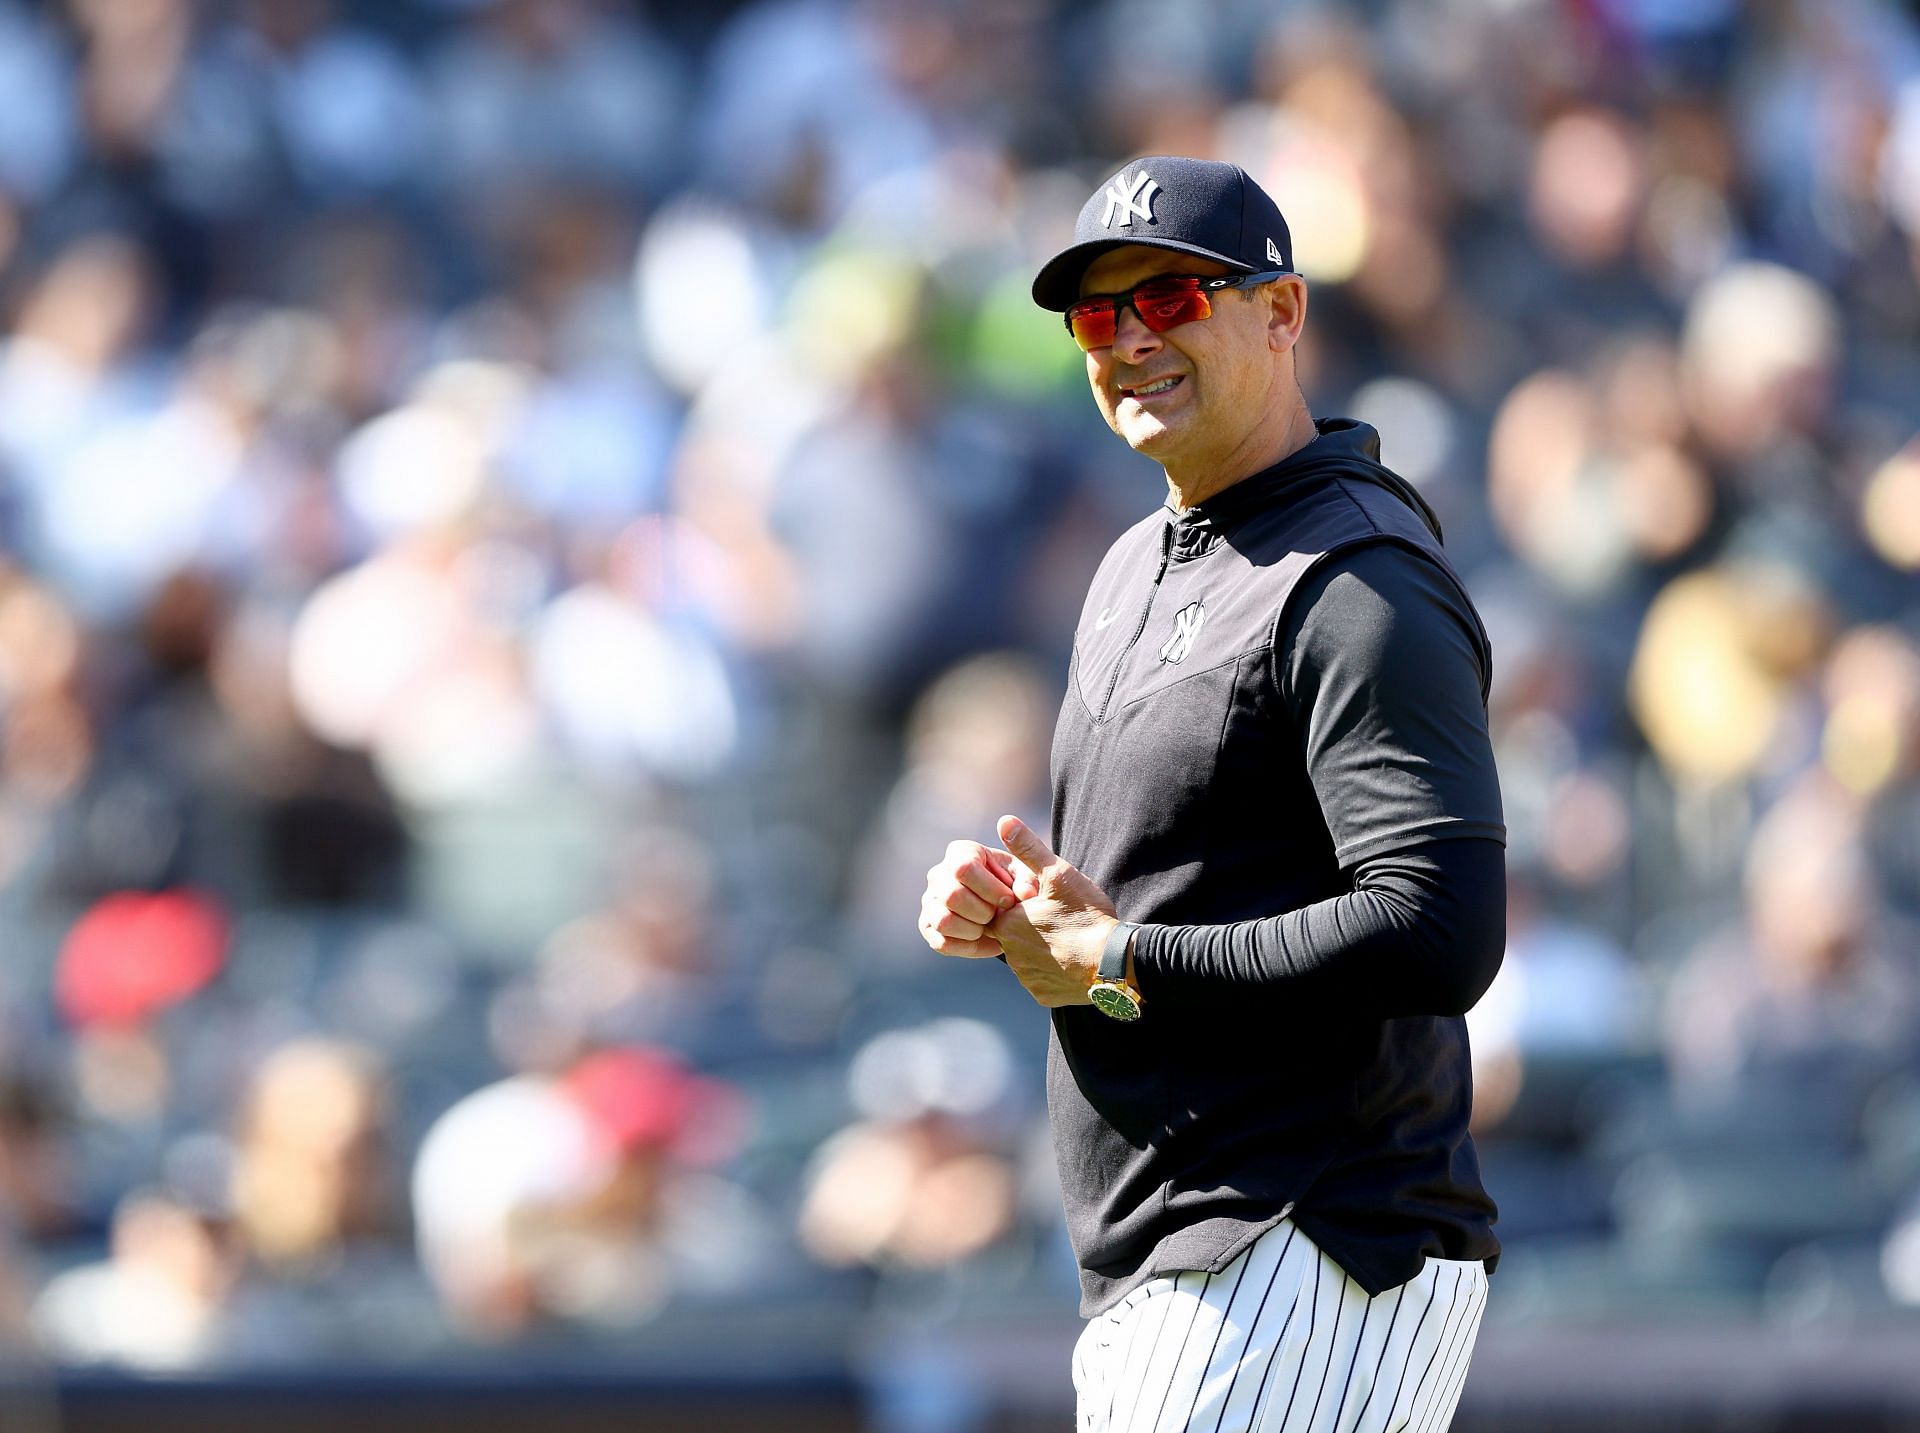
(1287, 313)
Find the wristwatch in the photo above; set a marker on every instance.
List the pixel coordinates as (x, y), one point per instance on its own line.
(1110, 992)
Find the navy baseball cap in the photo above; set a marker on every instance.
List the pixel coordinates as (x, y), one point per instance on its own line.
(1195, 206)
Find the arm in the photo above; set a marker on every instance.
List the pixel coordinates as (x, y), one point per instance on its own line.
(1383, 673)
(1382, 668)
(1421, 933)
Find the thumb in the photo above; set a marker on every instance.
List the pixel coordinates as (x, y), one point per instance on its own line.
(1034, 853)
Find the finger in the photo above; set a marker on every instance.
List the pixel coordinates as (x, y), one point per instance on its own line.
(969, 949)
(1026, 845)
(1026, 880)
(963, 902)
(955, 927)
(990, 877)
(949, 935)
(934, 910)
(962, 854)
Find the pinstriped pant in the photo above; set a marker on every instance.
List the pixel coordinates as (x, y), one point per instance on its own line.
(1281, 1341)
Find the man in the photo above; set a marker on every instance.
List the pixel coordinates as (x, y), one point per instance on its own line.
(1280, 871)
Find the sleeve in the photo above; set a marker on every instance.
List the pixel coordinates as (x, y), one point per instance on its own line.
(1384, 668)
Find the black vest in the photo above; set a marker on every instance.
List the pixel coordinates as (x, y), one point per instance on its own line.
(1178, 787)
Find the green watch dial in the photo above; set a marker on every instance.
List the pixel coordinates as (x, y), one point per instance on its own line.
(1115, 1001)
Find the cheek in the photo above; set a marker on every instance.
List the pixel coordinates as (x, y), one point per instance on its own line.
(1097, 381)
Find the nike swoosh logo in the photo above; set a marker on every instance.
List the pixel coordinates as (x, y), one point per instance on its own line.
(1107, 614)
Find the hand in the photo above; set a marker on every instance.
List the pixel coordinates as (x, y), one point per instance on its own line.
(1054, 936)
(966, 889)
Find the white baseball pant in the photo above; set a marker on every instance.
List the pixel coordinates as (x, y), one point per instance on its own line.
(1281, 1341)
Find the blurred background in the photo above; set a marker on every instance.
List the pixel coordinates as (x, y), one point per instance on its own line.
(526, 526)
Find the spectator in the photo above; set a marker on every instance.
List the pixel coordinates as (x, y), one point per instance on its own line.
(161, 1301)
(344, 107)
(578, 1199)
(556, 89)
(310, 1177)
(1808, 981)
(924, 1179)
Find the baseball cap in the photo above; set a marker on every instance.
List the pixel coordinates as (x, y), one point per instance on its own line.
(1166, 201)
(135, 954)
(637, 1097)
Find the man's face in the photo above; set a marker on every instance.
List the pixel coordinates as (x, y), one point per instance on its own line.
(1223, 367)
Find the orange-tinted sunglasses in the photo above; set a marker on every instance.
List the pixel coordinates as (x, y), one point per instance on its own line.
(1164, 301)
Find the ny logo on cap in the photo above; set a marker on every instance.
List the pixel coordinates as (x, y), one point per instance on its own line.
(1136, 199)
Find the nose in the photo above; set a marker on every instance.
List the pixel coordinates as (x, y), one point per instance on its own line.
(1132, 339)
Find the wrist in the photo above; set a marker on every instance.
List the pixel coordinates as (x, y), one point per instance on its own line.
(1116, 951)
(1112, 990)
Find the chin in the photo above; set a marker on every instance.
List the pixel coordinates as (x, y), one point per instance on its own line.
(1145, 434)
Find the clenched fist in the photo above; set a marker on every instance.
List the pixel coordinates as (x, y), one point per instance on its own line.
(966, 890)
(1046, 916)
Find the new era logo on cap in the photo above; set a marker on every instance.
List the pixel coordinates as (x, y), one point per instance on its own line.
(1167, 201)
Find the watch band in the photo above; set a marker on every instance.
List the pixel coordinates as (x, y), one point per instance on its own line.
(1110, 993)
(1113, 955)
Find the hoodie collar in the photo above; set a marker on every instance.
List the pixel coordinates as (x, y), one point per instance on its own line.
(1339, 444)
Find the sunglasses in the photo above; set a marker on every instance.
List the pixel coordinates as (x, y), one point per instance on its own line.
(1164, 301)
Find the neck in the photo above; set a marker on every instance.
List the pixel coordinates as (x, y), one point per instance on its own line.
(1188, 484)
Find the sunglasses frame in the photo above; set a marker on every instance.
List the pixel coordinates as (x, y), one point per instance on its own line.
(1205, 285)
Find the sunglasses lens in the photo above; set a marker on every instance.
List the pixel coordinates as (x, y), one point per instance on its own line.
(1092, 323)
(1165, 306)
(1161, 303)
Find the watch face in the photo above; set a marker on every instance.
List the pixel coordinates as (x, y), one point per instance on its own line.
(1115, 1001)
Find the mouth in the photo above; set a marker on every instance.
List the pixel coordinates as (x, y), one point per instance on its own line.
(1154, 389)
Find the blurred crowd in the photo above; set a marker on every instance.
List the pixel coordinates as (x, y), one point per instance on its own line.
(526, 525)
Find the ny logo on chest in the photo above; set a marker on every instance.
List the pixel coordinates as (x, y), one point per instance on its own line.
(1186, 626)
